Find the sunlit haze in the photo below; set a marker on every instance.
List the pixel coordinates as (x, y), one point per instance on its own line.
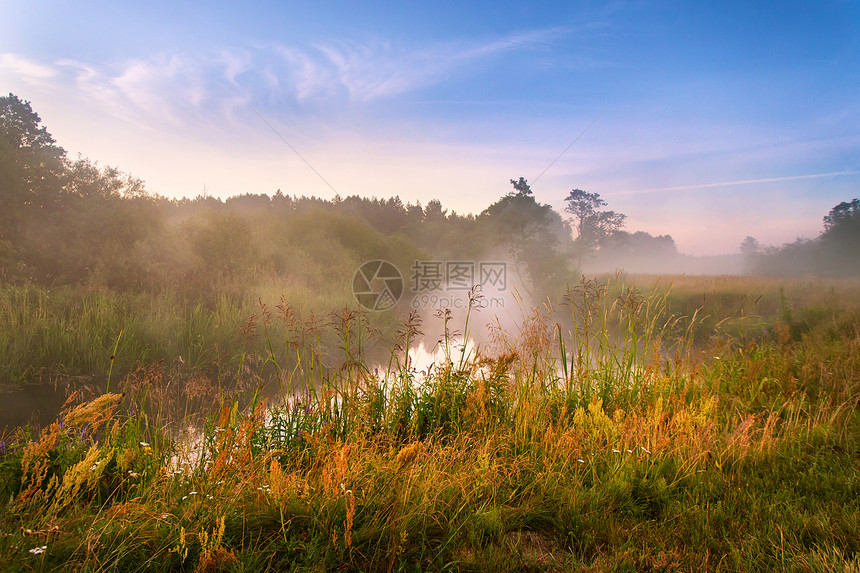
(708, 122)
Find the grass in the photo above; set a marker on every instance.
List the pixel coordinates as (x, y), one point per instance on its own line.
(50, 334)
(622, 430)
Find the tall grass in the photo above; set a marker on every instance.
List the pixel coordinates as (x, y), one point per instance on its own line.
(597, 436)
(73, 331)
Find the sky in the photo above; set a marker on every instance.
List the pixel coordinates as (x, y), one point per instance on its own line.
(705, 121)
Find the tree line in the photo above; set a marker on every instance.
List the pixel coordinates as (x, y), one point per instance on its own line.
(835, 252)
(70, 221)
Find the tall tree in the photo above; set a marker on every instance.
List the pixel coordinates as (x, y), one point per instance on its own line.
(750, 249)
(843, 216)
(593, 226)
(31, 164)
(841, 239)
(521, 187)
(531, 233)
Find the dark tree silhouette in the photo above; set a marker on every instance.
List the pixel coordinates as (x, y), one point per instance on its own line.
(592, 225)
(31, 165)
(532, 233)
(522, 187)
(841, 238)
(843, 216)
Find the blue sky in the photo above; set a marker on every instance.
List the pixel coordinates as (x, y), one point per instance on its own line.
(709, 122)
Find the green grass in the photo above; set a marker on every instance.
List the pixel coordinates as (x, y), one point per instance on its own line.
(615, 432)
(46, 334)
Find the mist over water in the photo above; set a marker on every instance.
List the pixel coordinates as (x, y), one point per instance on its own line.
(99, 275)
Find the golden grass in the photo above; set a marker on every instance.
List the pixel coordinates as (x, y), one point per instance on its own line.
(739, 457)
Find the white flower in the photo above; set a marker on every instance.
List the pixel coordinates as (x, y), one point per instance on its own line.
(616, 451)
(144, 444)
(645, 450)
(581, 461)
(38, 550)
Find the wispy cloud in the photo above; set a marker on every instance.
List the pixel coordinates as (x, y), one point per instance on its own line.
(379, 70)
(305, 77)
(227, 82)
(530, 39)
(143, 91)
(27, 70)
(738, 182)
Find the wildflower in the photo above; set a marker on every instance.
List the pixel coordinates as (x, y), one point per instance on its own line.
(581, 461)
(38, 550)
(629, 451)
(616, 451)
(645, 450)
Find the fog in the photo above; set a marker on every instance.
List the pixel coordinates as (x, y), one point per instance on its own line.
(641, 252)
(100, 274)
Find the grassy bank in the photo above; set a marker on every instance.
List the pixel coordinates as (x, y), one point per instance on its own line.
(620, 431)
(48, 334)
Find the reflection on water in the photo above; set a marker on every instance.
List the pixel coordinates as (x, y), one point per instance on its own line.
(185, 395)
(39, 404)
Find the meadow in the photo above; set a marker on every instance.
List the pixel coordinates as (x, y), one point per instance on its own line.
(634, 424)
